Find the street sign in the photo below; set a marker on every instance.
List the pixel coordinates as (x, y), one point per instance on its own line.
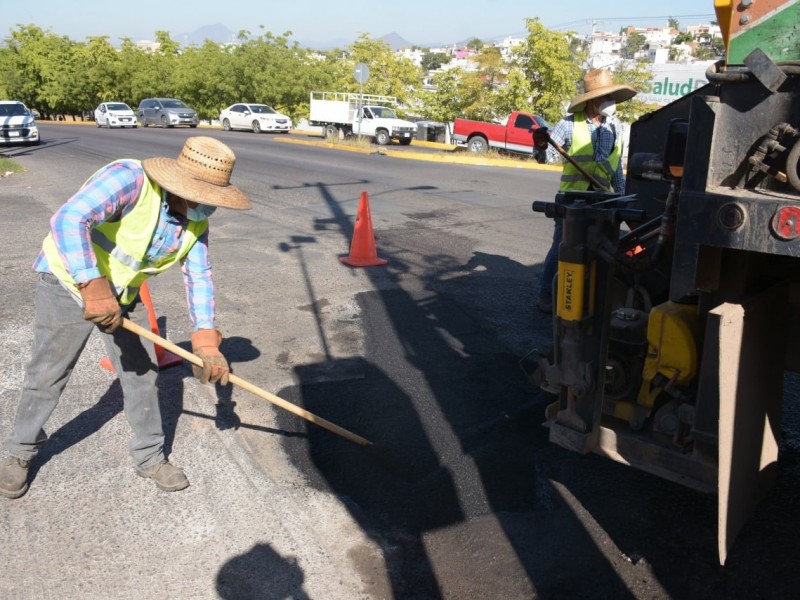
(361, 73)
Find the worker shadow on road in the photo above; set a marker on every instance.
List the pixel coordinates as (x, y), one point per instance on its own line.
(111, 404)
(451, 487)
(263, 573)
(80, 427)
(236, 350)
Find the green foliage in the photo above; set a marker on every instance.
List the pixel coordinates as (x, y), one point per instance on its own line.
(515, 94)
(389, 73)
(633, 43)
(638, 75)
(59, 76)
(475, 44)
(551, 65)
(433, 60)
(449, 100)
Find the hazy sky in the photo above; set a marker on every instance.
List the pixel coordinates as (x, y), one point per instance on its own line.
(418, 21)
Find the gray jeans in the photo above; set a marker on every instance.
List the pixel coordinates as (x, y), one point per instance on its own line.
(60, 335)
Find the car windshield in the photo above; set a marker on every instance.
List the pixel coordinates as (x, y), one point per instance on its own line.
(117, 106)
(381, 112)
(262, 109)
(12, 110)
(174, 104)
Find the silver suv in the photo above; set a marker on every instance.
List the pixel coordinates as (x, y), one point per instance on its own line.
(165, 112)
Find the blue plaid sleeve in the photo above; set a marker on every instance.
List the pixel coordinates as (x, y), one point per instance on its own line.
(109, 195)
(196, 270)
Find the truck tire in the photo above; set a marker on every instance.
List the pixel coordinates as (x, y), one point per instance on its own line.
(382, 137)
(477, 144)
(405, 142)
(331, 132)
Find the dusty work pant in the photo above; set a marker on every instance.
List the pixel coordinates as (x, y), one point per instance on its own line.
(551, 260)
(60, 335)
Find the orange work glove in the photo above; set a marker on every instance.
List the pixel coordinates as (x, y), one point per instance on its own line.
(100, 305)
(205, 345)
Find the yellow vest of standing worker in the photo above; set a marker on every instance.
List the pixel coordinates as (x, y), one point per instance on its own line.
(121, 246)
(582, 152)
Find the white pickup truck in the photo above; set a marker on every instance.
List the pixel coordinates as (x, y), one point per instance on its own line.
(341, 114)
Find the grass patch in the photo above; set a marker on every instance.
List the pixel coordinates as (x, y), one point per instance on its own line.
(352, 141)
(494, 153)
(7, 165)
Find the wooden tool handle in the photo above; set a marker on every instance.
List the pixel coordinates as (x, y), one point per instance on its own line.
(245, 385)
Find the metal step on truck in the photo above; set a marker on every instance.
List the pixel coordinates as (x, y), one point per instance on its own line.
(342, 114)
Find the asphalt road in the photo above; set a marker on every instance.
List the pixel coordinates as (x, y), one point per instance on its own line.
(460, 496)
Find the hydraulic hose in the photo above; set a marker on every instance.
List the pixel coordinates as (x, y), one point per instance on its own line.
(792, 166)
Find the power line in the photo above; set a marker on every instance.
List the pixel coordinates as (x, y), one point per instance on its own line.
(630, 19)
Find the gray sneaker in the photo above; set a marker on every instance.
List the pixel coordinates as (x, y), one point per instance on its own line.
(14, 477)
(166, 476)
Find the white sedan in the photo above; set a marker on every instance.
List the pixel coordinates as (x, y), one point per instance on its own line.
(115, 114)
(255, 117)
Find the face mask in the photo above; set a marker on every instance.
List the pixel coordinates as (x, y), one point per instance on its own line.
(200, 212)
(607, 108)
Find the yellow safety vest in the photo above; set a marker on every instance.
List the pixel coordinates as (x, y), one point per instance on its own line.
(582, 152)
(121, 246)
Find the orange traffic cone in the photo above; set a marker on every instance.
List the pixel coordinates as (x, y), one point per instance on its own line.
(362, 248)
(165, 358)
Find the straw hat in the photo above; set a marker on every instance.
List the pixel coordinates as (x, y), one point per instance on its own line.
(598, 83)
(202, 173)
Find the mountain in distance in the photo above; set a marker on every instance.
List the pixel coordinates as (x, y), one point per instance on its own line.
(222, 35)
(216, 33)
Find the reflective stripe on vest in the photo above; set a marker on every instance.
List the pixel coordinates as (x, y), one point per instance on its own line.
(582, 152)
(121, 246)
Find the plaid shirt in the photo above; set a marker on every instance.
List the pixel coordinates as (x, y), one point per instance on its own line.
(603, 139)
(109, 196)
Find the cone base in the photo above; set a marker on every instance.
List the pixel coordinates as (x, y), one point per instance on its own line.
(363, 262)
(166, 359)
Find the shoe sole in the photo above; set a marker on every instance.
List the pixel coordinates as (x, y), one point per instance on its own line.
(15, 494)
(166, 488)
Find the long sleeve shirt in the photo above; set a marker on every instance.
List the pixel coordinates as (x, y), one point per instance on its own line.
(604, 137)
(109, 196)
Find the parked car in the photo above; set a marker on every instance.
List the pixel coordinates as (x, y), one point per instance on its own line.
(115, 114)
(166, 112)
(17, 124)
(255, 117)
(514, 134)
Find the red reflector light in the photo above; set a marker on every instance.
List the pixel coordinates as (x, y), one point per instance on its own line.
(786, 223)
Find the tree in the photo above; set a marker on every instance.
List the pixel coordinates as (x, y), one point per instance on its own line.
(548, 62)
(450, 98)
(431, 61)
(672, 23)
(389, 73)
(42, 70)
(491, 66)
(633, 44)
(202, 79)
(100, 65)
(475, 45)
(516, 94)
(638, 75)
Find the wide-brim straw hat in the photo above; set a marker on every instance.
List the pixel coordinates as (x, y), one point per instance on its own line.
(598, 83)
(202, 174)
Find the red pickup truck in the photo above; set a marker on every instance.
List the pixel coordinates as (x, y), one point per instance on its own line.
(515, 136)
